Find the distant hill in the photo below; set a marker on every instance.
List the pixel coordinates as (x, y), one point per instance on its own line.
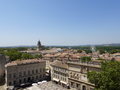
(112, 44)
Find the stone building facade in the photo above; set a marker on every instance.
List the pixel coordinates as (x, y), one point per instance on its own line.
(59, 72)
(77, 74)
(74, 74)
(24, 71)
(2, 65)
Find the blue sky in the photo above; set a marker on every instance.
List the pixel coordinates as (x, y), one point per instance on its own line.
(59, 22)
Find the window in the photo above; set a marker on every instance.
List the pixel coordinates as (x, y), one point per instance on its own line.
(40, 76)
(19, 74)
(77, 86)
(32, 71)
(36, 77)
(40, 70)
(72, 84)
(10, 76)
(24, 73)
(10, 83)
(36, 71)
(65, 79)
(43, 69)
(24, 79)
(14, 82)
(43, 75)
(14, 75)
(32, 78)
(20, 81)
(83, 87)
(28, 72)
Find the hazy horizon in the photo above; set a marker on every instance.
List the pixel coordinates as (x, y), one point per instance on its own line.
(59, 22)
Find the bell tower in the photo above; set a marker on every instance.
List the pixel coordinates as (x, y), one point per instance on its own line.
(39, 45)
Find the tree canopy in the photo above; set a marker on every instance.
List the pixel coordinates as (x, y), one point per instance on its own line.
(79, 51)
(108, 78)
(26, 56)
(86, 59)
(38, 56)
(101, 51)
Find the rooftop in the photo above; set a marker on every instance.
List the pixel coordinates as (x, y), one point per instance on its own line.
(20, 62)
(59, 64)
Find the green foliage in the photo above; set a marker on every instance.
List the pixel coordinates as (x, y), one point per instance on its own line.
(101, 51)
(79, 51)
(26, 56)
(108, 78)
(105, 48)
(13, 54)
(46, 48)
(100, 59)
(88, 51)
(21, 48)
(113, 51)
(33, 49)
(38, 56)
(86, 59)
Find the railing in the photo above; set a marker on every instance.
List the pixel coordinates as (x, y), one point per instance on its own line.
(95, 64)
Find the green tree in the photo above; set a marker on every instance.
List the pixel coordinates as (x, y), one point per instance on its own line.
(100, 59)
(38, 56)
(108, 78)
(113, 51)
(21, 48)
(86, 59)
(26, 56)
(101, 51)
(13, 54)
(88, 51)
(79, 51)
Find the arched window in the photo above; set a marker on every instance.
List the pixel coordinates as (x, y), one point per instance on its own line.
(84, 87)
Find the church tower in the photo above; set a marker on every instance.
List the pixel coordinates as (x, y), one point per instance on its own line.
(39, 45)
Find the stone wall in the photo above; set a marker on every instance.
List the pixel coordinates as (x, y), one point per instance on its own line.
(2, 65)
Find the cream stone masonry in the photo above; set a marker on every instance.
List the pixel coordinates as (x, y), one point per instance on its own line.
(19, 72)
(77, 74)
(59, 72)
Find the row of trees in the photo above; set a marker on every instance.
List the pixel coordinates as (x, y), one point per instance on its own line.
(14, 54)
(101, 51)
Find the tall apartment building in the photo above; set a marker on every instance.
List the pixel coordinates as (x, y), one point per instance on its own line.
(2, 65)
(18, 72)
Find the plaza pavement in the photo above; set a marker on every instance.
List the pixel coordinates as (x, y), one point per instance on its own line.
(47, 86)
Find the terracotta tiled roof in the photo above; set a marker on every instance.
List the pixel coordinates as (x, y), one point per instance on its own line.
(117, 59)
(23, 62)
(59, 64)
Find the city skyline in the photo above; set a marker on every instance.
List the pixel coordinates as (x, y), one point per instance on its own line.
(59, 22)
